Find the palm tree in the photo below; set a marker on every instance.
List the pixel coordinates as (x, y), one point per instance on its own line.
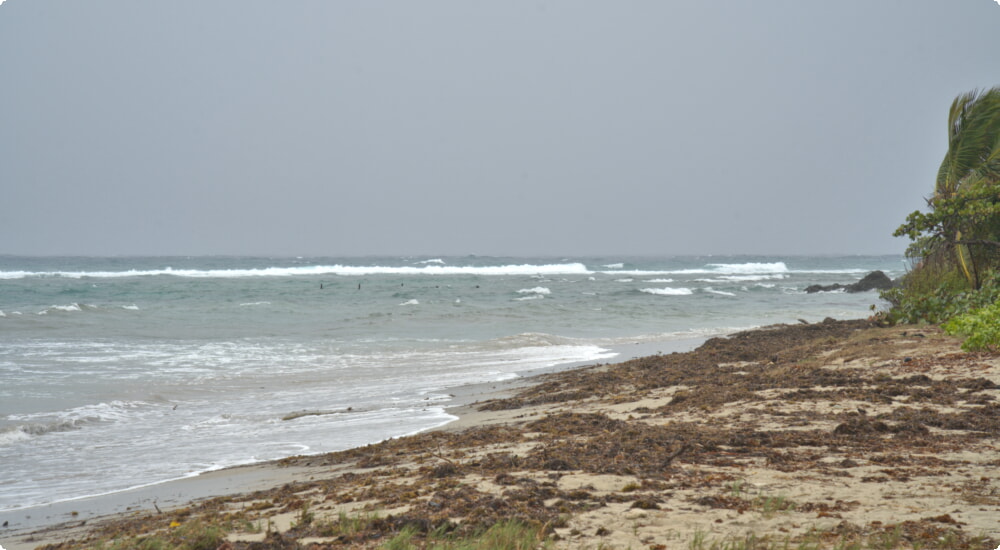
(971, 166)
(973, 142)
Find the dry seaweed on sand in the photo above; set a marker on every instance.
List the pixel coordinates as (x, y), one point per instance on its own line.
(833, 434)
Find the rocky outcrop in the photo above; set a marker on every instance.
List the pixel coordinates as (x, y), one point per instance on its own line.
(876, 280)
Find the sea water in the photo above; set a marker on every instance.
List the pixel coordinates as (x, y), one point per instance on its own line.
(121, 372)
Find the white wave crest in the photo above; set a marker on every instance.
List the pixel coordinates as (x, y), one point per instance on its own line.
(346, 270)
(39, 424)
(614, 266)
(413, 302)
(32, 429)
(742, 278)
(719, 292)
(536, 290)
(753, 277)
(530, 297)
(98, 412)
(529, 339)
(69, 308)
(13, 435)
(752, 268)
(668, 291)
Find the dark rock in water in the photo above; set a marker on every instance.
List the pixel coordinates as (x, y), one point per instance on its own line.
(812, 289)
(876, 280)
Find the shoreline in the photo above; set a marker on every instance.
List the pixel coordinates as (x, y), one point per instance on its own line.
(72, 514)
(837, 430)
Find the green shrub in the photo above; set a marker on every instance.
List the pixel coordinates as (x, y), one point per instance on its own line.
(981, 327)
(918, 301)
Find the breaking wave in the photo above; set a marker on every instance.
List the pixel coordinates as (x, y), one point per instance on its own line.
(345, 270)
(668, 291)
(40, 424)
(536, 290)
(719, 292)
(69, 308)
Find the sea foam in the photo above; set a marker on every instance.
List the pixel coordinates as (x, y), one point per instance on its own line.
(718, 292)
(74, 307)
(668, 291)
(536, 290)
(748, 268)
(345, 270)
(751, 268)
(39, 424)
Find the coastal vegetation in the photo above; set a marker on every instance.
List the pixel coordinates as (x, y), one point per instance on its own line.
(955, 246)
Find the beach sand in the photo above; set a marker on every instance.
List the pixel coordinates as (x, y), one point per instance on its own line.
(822, 433)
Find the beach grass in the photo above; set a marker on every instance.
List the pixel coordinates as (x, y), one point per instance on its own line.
(196, 535)
(200, 535)
(517, 535)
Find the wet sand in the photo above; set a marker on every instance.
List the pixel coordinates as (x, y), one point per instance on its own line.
(821, 433)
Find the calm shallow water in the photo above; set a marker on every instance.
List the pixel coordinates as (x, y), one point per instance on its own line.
(119, 372)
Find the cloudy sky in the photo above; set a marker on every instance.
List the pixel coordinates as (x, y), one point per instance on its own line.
(545, 127)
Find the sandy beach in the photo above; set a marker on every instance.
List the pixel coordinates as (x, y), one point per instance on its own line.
(821, 434)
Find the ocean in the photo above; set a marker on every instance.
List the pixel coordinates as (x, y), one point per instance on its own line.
(120, 372)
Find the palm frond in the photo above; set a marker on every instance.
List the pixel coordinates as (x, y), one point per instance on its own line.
(973, 131)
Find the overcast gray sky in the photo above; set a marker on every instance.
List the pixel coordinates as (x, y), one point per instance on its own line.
(470, 127)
